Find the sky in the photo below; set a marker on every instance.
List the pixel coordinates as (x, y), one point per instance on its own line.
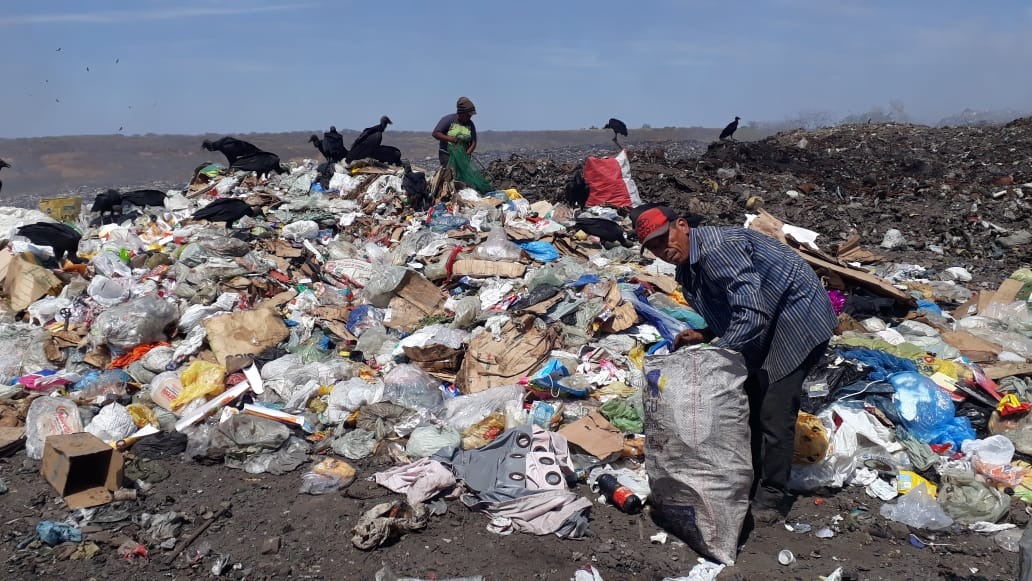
(230, 66)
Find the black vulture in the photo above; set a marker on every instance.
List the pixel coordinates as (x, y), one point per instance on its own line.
(387, 154)
(263, 163)
(231, 147)
(606, 230)
(314, 140)
(416, 188)
(62, 238)
(729, 131)
(144, 198)
(226, 210)
(107, 202)
(619, 128)
(331, 146)
(3, 164)
(576, 190)
(368, 140)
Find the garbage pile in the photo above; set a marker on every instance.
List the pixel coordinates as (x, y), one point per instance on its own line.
(959, 196)
(492, 350)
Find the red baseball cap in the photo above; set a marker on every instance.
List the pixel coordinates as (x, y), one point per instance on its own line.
(653, 220)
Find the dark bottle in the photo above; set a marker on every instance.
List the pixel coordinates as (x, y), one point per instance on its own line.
(619, 495)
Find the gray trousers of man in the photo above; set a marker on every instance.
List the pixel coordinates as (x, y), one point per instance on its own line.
(773, 409)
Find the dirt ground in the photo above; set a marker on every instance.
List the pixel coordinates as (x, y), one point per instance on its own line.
(313, 534)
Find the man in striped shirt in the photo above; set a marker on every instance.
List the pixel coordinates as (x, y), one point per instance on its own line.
(758, 298)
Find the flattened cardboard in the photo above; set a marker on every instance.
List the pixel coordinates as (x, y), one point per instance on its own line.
(27, 282)
(489, 363)
(469, 267)
(975, 348)
(414, 299)
(82, 469)
(595, 435)
(1001, 370)
(244, 333)
(1008, 291)
(11, 439)
(665, 283)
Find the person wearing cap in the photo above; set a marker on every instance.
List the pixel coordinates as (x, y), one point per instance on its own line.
(758, 298)
(463, 115)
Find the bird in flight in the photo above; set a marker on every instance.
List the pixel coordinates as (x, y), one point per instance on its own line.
(116, 61)
(58, 49)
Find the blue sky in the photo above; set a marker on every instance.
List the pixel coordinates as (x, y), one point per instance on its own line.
(191, 66)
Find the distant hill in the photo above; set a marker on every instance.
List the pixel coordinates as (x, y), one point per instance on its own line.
(55, 166)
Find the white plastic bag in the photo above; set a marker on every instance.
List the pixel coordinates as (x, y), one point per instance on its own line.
(425, 441)
(301, 230)
(497, 247)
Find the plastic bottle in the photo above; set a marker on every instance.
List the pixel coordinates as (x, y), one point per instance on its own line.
(165, 388)
(619, 495)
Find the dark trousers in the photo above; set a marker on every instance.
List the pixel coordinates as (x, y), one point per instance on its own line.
(773, 408)
(443, 158)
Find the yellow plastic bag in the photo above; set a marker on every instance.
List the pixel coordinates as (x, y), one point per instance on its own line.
(142, 415)
(200, 379)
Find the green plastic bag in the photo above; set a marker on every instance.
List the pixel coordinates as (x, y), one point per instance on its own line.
(462, 165)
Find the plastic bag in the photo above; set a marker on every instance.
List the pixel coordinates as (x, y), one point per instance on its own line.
(327, 476)
(917, 509)
(200, 379)
(497, 247)
(351, 395)
(540, 250)
(133, 323)
(465, 172)
(49, 416)
(464, 411)
(112, 424)
(969, 501)
(110, 265)
(107, 292)
(356, 444)
(927, 410)
(995, 450)
(412, 387)
(467, 309)
(100, 383)
(301, 230)
(427, 440)
(628, 415)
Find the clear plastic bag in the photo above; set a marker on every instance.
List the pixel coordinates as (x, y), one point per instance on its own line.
(917, 509)
(412, 387)
(133, 323)
(327, 476)
(467, 309)
(497, 247)
(110, 265)
(350, 395)
(107, 292)
(49, 416)
(382, 283)
(464, 411)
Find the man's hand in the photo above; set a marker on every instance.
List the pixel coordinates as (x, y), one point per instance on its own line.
(688, 337)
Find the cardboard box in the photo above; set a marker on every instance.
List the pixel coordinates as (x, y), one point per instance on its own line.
(65, 209)
(82, 468)
(468, 267)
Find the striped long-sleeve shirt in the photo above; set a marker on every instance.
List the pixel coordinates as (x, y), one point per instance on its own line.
(757, 296)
